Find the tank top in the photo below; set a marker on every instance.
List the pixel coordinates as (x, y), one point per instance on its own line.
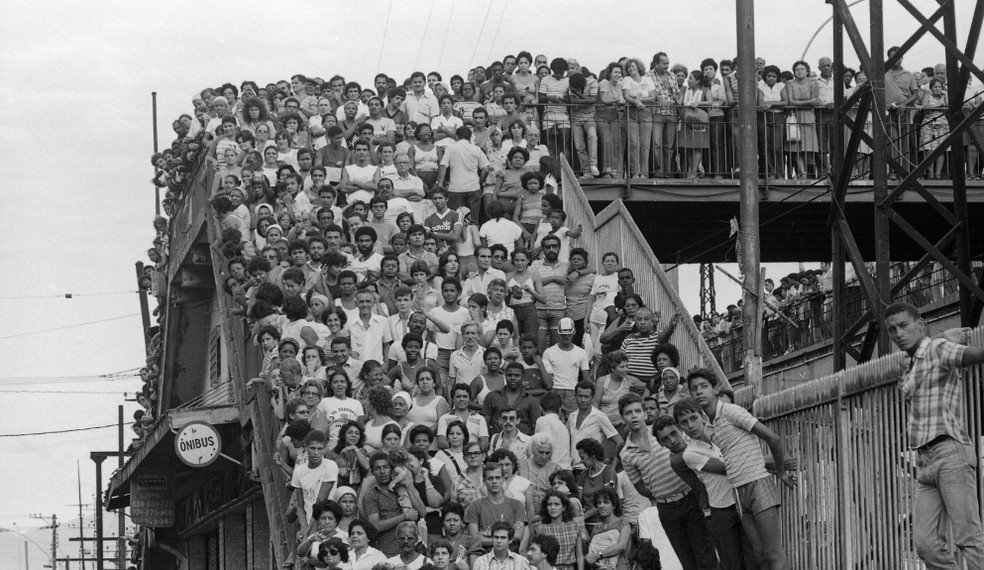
(485, 391)
(532, 212)
(526, 298)
(374, 436)
(466, 247)
(609, 399)
(425, 160)
(358, 173)
(425, 415)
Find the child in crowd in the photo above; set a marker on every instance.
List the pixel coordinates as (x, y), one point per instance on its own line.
(312, 482)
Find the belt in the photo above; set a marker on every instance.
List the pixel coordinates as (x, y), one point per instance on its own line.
(671, 498)
(935, 441)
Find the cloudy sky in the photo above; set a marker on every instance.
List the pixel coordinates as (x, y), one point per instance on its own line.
(75, 120)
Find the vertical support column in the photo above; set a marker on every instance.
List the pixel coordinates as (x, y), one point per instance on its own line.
(748, 141)
(100, 562)
(120, 520)
(957, 172)
(157, 189)
(879, 168)
(837, 164)
(845, 475)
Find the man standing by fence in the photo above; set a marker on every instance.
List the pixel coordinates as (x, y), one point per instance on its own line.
(946, 474)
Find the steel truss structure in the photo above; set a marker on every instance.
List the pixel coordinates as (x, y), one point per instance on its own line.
(878, 289)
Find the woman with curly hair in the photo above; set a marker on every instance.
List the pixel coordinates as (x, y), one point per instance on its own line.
(639, 93)
(425, 155)
(610, 114)
(350, 455)
(557, 520)
(611, 537)
(509, 181)
(255, 114)
(612, 386)
(379, 407)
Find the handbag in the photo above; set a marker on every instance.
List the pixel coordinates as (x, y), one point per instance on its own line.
(695, 115)
(792, 128)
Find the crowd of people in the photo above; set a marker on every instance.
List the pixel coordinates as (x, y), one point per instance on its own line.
(458, 383)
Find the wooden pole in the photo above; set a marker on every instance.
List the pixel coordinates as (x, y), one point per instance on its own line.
(748, 141)
(157, 189)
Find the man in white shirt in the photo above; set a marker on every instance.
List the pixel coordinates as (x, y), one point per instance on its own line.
(367, 264)
(588, 422)
(478, 281)
(566, 364)
(551, 425)
(369, 330)
(468, 167)
(420, 106)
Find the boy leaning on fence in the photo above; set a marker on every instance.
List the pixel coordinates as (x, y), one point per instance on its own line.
(946, 474)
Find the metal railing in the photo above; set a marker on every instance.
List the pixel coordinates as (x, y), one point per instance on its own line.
(672, 142)
(614, 230)
(853, 506)
(809, 320)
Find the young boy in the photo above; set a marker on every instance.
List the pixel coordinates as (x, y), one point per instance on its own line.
(555, 227)
(313, 481)
(704, 458)
(534, 370)
(503, 340)
(737, 433)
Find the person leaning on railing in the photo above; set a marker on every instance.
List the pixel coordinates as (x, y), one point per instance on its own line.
(946, 459)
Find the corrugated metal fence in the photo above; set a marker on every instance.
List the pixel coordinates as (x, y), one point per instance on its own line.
(857, 476)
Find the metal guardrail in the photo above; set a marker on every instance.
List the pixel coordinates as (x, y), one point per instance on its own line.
(853, 506)
(813, 317)
(631, 141)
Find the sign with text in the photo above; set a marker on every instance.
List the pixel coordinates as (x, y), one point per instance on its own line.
(198, 444)
(152, 497)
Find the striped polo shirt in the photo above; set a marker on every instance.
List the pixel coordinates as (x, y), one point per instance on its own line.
(652, 468)
(639, 349)
(731, 430)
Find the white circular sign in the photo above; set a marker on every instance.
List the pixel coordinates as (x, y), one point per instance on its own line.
(198, 444)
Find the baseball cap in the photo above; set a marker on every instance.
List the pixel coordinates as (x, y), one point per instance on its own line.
(566, 325)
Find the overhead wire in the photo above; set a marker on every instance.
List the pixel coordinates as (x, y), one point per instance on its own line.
(382, 45)
(444, 43)
(478, 39)
(70, 326)
(495, 36)
(423, 36)
(60, 431)
(66, 295)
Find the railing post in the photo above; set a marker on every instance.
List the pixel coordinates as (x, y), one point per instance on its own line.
(842, 433)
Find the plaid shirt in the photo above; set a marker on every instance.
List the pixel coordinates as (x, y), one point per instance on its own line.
(934, 389)
(566, 534)
(671, 95)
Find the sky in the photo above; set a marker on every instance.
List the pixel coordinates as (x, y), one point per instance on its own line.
(76, 129)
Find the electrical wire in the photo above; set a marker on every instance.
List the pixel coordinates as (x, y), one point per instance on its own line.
(495, 36)
(478, 38)
(55, 432)
(423, 36)
(73, 392)
(444, 43)
(70, 326)
(66, 295)
(382, 46)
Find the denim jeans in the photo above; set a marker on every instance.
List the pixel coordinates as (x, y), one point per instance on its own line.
(683, 522)
(586, 143)
(946, 498)
(736, 549)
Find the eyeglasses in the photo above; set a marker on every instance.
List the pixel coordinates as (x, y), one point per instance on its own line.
(473, 453)
(332, 551)
(310, 393)
(407, 538)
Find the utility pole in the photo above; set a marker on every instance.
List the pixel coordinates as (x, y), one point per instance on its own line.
(748, 143)
(120, 522)
(54, 534)
(98, 457)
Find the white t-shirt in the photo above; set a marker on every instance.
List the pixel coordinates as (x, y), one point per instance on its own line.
(476, 425)
(502, 231)
(309, 481)
(338, 413)
(453, 320)
(440, 122)
(565, 365)
(362, 267)
(719, 489)
(397, 562)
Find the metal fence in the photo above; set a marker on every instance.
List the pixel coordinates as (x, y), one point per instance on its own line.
(810, 320)
(853, 506)
(674, 142)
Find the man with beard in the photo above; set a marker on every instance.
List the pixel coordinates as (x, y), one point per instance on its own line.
(366, 265)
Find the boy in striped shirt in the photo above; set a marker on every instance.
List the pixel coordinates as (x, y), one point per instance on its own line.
(736, 432)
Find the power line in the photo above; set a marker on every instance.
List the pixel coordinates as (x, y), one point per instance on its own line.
(495, 36)
(424, 36)
(66, 295)
(447, 28)
(73, 392)
(70, 326)
(55, 432)
(382, 46)
(478, 39)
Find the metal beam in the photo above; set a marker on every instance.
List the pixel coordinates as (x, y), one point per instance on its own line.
(851, 27)
(949, 44)
(879, 168)
(943, 260)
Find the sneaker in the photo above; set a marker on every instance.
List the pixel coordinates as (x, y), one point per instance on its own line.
(594, 171)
